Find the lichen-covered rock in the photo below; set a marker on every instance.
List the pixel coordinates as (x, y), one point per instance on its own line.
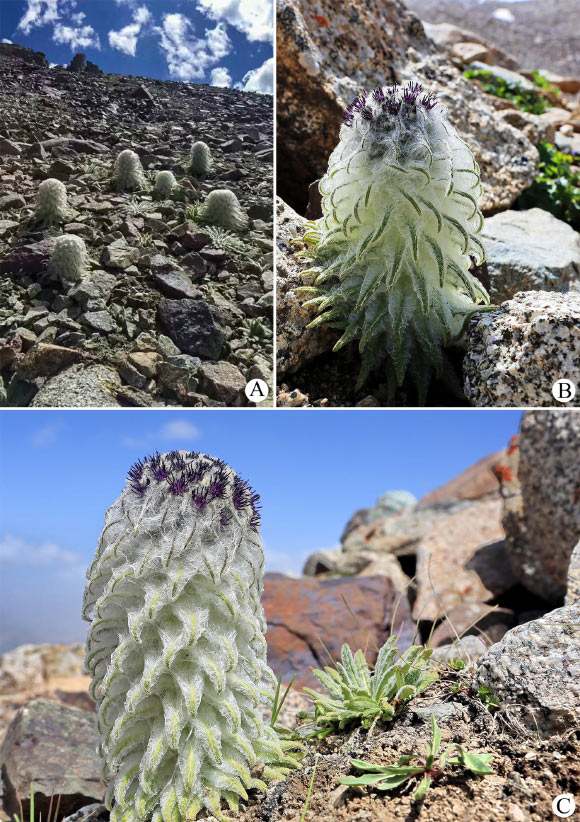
(529, 251)
(573, 590)
(390, 503)
(296, 344)
(535, 671)
(80, 386)
(320, 68)
(516, 354)
(542, 520)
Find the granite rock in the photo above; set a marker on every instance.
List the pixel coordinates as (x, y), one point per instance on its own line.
(535, 670)
(529, 251)
(515, 354)
(93, 386)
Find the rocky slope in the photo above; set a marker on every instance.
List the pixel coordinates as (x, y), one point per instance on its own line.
(499, 592)
(172, 312)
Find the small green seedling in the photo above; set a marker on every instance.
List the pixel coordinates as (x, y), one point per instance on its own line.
(387, 777)
(361, 697)
(491, 702)
(51, 818)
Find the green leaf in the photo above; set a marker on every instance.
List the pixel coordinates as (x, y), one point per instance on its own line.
(424, 786)
(477, 763)
(436, 736)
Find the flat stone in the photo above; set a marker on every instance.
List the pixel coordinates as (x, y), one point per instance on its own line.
(100, 321)
(8, 148)
(97, 285)
(468, 52)
(223, 381)
(535, 669)
(194, 327)
(92, 386)
(45, 360)
(299, 611)
(529, 251)
(28, 259)
(515, 354)
(55, 748)
(175, 284)
(12, 200)
(119, 256)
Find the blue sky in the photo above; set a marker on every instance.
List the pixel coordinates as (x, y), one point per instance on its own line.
(222, 42)
(313, 469)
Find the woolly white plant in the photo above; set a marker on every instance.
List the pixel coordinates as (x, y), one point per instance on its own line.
(400, 223)
(200, 161)
(222, 207)
(176, 646)
(69, 260)
(51, 203)
(165, 182)
(128, 174)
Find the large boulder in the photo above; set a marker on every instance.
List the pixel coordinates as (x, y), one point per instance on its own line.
(31, 666)
(300, 611)
(573, 590)
(515, 354)
(529, 251)
(535, 672)
(542, 521)
(54, 747)
(474, 482)
(324, 59)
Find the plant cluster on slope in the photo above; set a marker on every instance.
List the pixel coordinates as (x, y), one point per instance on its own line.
(525, 99)
(556, 188)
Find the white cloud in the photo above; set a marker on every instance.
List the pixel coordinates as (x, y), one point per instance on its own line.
(39, 13)
(504, 14)
(125, 40)
(221, 77)
(260, 79)
(252, 17)
(77, 36)
(179, 429)
(16, 551)
(47, 433)
(188, 57)
(7, 41)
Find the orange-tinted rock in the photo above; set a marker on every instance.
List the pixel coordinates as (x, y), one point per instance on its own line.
(444, 579)
(474, 482)
(305, 616)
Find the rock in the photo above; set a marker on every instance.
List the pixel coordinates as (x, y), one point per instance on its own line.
(529, 251)
(34, 58)
(99, 321)
(509, 76)
(222, 381)
(66, 147)
(446, 35)
(176, 284)
(476, 481)
(534, 127)
(194, 327)
(444, 580)
(55, 748)
(535, 669)
(178, 374)
(28, 259)
(45, 360)
(573, 589)
(296, 344)
(469, 649)
(94, 813)
(321, 562)
(320, 69)
(556, 116)
(471, 617)
(390, 503)
(80, 386)
(8, 148)
(95, 287)
(468, 52)
(146, 362)
(29, 667)
(77, 64)
(300, 611)
(541, 517)
(515, 354)
(119, 255)
(12, 200)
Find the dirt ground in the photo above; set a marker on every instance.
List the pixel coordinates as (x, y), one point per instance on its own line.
(528, 773)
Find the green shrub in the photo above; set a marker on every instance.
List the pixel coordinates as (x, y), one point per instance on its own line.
(556, 188)
(526, 100)
(543, 82)
(361, 697)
